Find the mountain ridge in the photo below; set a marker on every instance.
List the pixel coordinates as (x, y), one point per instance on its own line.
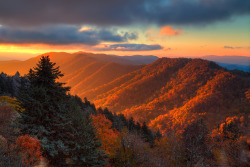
(181, 87)
(168, 94)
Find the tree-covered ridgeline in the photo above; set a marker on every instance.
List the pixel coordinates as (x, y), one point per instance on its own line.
(9, 85)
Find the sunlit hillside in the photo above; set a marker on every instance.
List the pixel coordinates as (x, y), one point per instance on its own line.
(169, 93)
(83, 71)
(150, 110)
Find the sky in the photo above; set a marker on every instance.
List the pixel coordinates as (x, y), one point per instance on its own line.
(165, 28)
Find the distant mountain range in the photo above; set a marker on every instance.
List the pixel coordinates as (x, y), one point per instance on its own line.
(231, 62)
(83, 71)
(167, 93)
(240, 60)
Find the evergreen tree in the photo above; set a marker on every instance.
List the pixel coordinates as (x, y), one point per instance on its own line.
(9, 85)
(138, 127)
(147, 135)
(91, 107)
(108, 114)
(46, 116)
(117, 124)
(158, 135)
(85, 149)
(131, 124)
(123, 119)
(45, 110)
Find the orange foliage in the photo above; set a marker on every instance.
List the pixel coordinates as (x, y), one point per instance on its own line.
(230, 141)
(167, 94)
(197, 89)
(109, 137)
(30, 149)
(231, 129)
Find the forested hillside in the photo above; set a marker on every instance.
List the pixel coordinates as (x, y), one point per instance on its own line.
(43, 124)
(167, 94)
(170, 93)
(173, 112)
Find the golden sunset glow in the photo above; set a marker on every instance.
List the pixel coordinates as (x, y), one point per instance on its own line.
(124, 83)
(166, 36)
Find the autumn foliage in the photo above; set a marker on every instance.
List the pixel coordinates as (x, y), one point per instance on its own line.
(230, 142)
(30, 149)
(172, 93)
(184, 100)
(108, 136)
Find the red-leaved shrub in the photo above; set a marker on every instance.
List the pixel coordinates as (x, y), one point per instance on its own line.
(30, 149)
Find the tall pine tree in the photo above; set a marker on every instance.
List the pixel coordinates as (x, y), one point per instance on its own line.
(46, 116)
(147, 134)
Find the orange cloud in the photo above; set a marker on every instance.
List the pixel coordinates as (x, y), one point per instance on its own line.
(84, 29)
(169, 31)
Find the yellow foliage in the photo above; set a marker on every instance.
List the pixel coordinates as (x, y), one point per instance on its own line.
(12, 101)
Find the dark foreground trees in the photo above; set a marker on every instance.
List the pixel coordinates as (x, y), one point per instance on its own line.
(47, 116)
(196, 149)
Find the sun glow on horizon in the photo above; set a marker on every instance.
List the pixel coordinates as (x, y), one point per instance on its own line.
(227, 38)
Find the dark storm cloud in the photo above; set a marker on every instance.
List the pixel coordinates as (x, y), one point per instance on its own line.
(129, 47)
(200, 11)
(118, 12)
(62, 35)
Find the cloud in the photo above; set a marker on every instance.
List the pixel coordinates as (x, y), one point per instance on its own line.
(84, 29)
(169, 31)
(231, 47)
(118, 12)
(62, 35)
(127, 47)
